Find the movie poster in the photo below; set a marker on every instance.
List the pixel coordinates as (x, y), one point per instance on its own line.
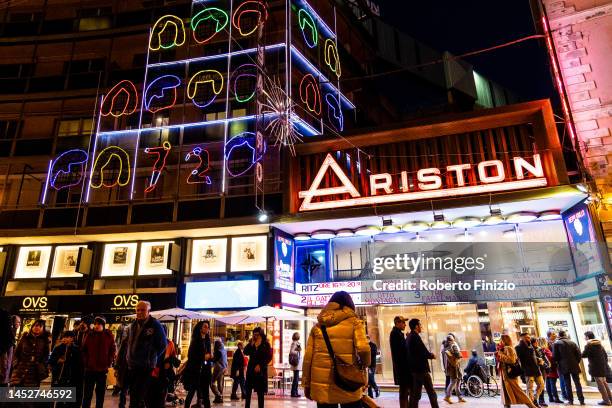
(120, 256)
(157, 255)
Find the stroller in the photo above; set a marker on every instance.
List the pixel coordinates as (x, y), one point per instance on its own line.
(172, 380)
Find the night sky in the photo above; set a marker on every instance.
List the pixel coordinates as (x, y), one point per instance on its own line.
(464, 26)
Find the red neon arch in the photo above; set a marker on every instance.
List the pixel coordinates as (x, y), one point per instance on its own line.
(310, 93)
(250, 6)
(108, 103)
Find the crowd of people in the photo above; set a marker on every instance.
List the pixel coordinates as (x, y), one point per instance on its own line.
(338, 366)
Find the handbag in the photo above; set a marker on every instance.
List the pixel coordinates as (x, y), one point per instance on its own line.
(347, 376)
(514, 370)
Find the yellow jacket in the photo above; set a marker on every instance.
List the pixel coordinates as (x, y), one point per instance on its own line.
(348, 338)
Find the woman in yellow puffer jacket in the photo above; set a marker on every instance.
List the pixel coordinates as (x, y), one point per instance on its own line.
(348, 337)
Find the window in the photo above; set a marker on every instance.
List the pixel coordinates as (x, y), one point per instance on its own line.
(74, 127)
(25, 17)
(96, 18)
(16, 70)
(8, 128)
(85, 66)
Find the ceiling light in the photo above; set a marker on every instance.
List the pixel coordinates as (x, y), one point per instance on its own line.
(263, 216)
(391, 229)
(367, 230)
(550, 215)
(467, 222)
(521, 216)
(301, 236)
(440, 224)
(416, 226)
(493, 220)
(323, 234)
(343, 233)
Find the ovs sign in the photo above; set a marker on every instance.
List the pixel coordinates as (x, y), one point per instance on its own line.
(124, 302)
(34, 303)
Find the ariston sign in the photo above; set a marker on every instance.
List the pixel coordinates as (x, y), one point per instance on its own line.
(491, 177)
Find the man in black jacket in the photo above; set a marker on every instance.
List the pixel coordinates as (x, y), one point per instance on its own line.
(567, 355)
(598, 366)
(531, 370)
(419, 366)
(372, 386)
(401, 372)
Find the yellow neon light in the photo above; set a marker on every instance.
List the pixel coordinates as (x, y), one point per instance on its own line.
(179, 32)
(121, 155)
(332, 49)
(209, 74)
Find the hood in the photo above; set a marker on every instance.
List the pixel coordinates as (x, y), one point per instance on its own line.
(594, 342)
(331, 315)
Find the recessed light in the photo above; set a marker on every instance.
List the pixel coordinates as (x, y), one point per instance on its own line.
(301, 236)
(467, 222)
(440, 224)
(323, 234)
(521, 216)
(416, 226)
(391, 229)
(343, 233)
(367, 230)
(550, 215)
(494, 220)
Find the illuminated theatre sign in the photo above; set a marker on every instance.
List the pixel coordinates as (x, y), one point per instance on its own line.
(490, 176)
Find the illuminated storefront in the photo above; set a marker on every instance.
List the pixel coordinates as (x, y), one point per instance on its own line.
(457, 186)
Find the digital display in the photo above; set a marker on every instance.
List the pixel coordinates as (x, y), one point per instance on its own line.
(222, 294)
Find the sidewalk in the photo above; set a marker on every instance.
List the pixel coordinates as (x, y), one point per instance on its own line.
(386, 400)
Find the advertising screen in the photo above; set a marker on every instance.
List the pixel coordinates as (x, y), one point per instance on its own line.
(284, 261)
(222, 294)
(583, 241)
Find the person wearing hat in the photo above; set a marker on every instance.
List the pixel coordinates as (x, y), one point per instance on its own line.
(98, 351)
(401, 368)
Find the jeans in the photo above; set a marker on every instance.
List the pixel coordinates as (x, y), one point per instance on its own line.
(568, 387)
(295, 382)
(217, 382)
(238, 382)
(420, 380)
(604, 389)
(453, 385)
(95, 380)
(404, 392)
(551, 388)
(356, 404)
(562, 385)
(372, 386)
(143, 391)
(202, 390)
(539, 387)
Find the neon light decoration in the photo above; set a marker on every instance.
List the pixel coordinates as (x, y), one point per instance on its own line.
(246, 8)
(305, 20)
(64, 171)
(332, 59)
(214, 77)
(198, 174)
(242, 144)
(334, 112)
(174, 25)
(105, 158)
(167, 84)
(123, 93)
(218, 17)
(158, 167)
(310, 94)
(242, 72)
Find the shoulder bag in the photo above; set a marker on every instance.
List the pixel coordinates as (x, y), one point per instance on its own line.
(347, 376)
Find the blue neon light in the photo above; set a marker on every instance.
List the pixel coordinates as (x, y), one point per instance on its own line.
(306, 20)
(80, 159)
(174, 82)
(334, 112)
(243, 139)
(216, 56)
(328, 31)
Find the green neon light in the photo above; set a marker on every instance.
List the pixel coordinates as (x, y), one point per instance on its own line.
(305, 18)
(219, 16)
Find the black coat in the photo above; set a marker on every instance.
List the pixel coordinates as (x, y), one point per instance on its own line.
(527, 357)
(418, 354)
(70, 372)
(197, 369)
(401, 371)
(30, 360)
(237, 364)
(567, 355)
(373, 354)
(598, 358)
(260, 356)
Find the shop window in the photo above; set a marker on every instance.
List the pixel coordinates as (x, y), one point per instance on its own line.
(588, 316)
(312, 263)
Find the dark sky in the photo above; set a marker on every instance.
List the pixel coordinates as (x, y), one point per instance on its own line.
(460, 26)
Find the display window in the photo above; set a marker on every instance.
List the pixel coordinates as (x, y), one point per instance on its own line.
(65, 261)
(209, 255)
(589, 316)
(33, 262)
(249, 253)
(154, 258)
(119, 259)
